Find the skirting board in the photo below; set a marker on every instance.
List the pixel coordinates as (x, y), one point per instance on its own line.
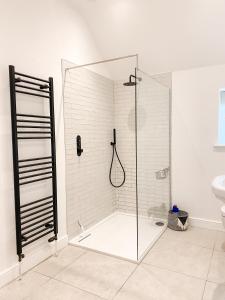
(208, 224)
(31, 260)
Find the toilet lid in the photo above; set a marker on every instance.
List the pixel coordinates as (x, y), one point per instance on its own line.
(223, 210)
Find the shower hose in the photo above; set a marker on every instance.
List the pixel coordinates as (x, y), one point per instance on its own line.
(110, 172)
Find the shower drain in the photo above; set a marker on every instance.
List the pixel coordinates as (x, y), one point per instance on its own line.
(159, 223)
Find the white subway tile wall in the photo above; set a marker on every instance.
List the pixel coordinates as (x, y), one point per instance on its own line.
(88, 112)
(124, 97)
(153, 109)
(93, 106)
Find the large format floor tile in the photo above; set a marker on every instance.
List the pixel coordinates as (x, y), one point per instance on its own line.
(151, 283)
(99, 274)
(52, 266)
(175, 268)
(196, 236)
(217, 268)
(55, 290)
(19, 289)
(180, 257)
(220, 241)
(214, 291)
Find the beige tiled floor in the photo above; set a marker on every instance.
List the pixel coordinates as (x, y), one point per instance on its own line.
(181, 266)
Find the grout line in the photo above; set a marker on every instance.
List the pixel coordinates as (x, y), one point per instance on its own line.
(21, 280)
(87, 291)
(63, 268)
(79, 288)
(173, 271)
(31, 271)
(22, 277)
(186, 242)
(67, 283)
(66, 267)
(47, 281)
(129, 276)
(210, 263)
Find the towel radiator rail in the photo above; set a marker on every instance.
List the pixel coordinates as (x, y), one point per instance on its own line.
(37, 218)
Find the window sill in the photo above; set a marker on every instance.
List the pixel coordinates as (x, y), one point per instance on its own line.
(219, 147)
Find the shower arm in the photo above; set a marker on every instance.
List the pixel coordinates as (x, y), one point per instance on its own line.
(135, 77)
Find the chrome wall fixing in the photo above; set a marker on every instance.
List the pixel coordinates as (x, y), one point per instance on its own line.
(162, 174)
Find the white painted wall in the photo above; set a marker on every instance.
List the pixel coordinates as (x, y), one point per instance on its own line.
(195, 162)
(168, 35)
(34, 36)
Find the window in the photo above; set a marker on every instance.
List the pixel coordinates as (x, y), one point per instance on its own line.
(221, 131)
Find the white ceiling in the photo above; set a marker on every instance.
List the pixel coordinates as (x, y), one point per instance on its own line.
(168, 34)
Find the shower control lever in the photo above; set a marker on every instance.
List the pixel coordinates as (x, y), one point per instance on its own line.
(79, 149)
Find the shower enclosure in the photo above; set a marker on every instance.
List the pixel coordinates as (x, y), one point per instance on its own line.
(117, 146)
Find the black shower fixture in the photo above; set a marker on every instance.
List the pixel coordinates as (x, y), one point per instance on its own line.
(113, 144)
(132, 83)
(79, 148)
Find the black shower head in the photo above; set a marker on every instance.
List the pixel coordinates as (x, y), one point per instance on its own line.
(130, 82)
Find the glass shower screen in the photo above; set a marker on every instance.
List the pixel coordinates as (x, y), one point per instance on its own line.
(118, 187)
(153, 159)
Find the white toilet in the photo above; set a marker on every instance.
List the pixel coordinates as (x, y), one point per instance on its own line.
(223, 215)
(218, 188)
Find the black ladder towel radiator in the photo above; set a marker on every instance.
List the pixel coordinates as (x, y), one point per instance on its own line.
(38, 217)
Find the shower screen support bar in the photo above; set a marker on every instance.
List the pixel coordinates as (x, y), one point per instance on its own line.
(104, 61)
(49, 224)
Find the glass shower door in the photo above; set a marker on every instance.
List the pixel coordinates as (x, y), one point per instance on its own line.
(153, 159)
